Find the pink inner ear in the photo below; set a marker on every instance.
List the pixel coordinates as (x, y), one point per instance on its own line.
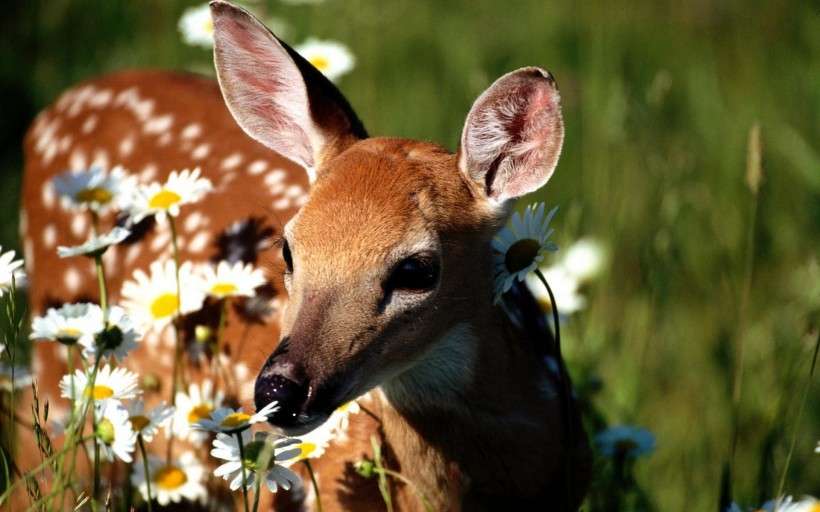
(261, 84)
(513, 135)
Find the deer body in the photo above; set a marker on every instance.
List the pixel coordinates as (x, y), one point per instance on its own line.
(387, 265)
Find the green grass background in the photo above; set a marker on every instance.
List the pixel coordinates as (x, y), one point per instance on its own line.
(658, 98)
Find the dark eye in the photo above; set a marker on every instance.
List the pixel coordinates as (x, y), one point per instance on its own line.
(287, 256)
(414, 274)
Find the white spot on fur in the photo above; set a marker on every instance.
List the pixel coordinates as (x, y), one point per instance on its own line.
(28, 251)
(199, 242)
(281, 204)
(132, 254)
(100, 158)
(193, 221)
(301, 201)
(65, 143)
(160, 241)
(126, 146)
(47, 195)
(275, 176)
(49, 236)
(191, 131)
(77, 160)
(277, 188)
(201, 151)
(164, 139)
(231, 161)
(257, 167)
(72, 279)
(294, 191)
(90, 123)
(111, 260)
(79, 225)
(148, 172)
(157, 125)
(101, 99)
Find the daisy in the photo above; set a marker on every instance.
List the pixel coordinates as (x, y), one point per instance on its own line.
(152, 300)
(181, 188)
(96, 245)
(226, 447)
(230, 280)
(198, 404)
(584, 259)
(110, 384)
(787, 504)
(229, 420)
(93, 188)
(197, 27)
(625, 441)
(69, 324)
(114, 431)
(564, 287)
(171, 482)
(519, 249)
(10, 271)
(147, 424)
(331, 58)
(116, 340)
(313, 444)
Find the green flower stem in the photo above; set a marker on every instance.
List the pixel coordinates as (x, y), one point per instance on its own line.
(176, 376)
(315, 485)
(145, 467)
(567, 394)
(398, 476)
(98, 263)
(96, 489)
(796, 428)
(244, 472)
(257, 486)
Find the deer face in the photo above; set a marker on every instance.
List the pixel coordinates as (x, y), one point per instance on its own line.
(392, 250)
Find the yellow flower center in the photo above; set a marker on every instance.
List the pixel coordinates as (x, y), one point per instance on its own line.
(164, 199)
(69, 332)
(235, 420)
(306, 448)
(199, 412)
(139, 422)
(223, 289)
(208, 26)
(170, 477)
(320, 62)
(100, 392)
(521, 254)
(94, 195)
(345, 407)
(164, 305)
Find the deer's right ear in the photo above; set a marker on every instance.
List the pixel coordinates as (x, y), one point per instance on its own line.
(276, 96)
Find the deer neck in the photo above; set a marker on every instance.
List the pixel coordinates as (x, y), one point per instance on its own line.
(479, 395)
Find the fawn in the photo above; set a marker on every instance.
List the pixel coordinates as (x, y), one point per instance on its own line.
(387, 265)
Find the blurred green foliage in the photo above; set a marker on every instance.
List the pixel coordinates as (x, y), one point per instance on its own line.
(659, 99)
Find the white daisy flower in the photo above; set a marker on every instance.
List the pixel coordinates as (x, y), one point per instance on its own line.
(230, 280)
(584, 259)
(172, 482)
(313, 444)
(564, 287)
(519, 248)
(147, 423)
(10, 270)
(787, 504)
(229, 420)
(119, 338)
(151, 300)
(114, 432)
(69, 324)
(332, 58)
(93, 188)
(109, 384)
(226, 447)
(197, 27)
(625, 441)
(181, 188)
(198, 404)
(96, 244)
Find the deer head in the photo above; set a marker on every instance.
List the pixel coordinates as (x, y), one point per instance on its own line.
(391, 253)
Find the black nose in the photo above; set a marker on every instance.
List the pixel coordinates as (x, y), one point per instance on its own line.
(281, 381)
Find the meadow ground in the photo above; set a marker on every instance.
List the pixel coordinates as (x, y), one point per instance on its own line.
(659, 99)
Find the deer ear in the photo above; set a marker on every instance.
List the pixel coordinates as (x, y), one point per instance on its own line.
(275, 95)
(513, 134)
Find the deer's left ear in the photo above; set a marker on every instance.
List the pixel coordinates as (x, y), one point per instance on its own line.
(513, 135)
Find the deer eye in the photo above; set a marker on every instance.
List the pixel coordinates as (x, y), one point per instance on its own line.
(418, 273)
(287, 256)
